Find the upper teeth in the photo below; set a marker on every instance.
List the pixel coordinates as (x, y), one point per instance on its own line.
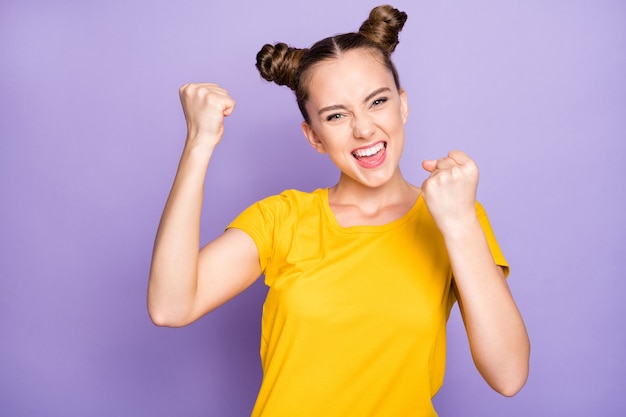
(369, 151)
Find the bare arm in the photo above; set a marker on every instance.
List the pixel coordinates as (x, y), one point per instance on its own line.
(186, 282)
(497, 335)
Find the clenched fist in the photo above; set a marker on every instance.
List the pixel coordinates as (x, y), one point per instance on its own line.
(450, 190)
(205, 105)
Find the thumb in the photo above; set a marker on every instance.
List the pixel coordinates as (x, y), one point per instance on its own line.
(429, 165)
(229, 108)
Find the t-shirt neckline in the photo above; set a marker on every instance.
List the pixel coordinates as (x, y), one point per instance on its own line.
(330, 215)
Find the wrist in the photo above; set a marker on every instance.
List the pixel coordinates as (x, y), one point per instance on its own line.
(461, 228)
(203, 137)
(201, 145)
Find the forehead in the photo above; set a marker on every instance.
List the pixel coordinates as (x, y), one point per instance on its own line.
(354, 73)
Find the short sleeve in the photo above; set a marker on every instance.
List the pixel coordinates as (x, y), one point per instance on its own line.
(259, 221)
(494, 247)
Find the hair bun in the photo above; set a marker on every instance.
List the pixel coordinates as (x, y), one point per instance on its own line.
(279, 63)
(383, 27)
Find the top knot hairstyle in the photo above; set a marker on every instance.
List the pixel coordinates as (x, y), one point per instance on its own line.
(290, 66)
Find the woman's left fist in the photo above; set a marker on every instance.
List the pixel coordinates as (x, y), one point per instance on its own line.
(450, 190)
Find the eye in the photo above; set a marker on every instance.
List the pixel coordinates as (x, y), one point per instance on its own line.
(332, 117)
(379, 101)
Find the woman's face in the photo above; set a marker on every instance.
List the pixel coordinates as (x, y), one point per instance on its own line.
(357, 116)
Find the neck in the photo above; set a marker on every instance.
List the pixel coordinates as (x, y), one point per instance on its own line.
(393, 192)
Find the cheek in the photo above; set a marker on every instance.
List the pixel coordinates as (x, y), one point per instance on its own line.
(397, 121)
(402, 117)
(337, 133)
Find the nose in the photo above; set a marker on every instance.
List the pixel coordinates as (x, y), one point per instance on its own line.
(363, 126)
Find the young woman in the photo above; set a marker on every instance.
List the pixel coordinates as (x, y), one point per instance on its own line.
(362, 275)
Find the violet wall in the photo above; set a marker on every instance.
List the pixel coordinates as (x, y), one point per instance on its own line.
(91, 131)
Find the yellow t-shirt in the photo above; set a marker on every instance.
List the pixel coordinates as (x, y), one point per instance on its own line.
(354, 323)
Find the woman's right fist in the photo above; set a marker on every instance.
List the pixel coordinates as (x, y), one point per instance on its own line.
(205, 105)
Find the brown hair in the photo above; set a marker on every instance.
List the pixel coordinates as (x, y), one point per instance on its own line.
(290, 66)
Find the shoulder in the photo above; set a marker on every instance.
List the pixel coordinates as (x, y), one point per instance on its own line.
(298, 195)
(293, 198)
(288, 202)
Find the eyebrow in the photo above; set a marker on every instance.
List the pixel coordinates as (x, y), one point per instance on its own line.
(365, 100)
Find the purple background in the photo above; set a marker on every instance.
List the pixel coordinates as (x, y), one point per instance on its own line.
(91, 131)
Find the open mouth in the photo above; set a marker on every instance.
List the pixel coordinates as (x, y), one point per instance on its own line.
(370, 155)
(364, 154)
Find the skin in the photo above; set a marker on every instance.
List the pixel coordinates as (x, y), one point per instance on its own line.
(353, 104)
(348, 110)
